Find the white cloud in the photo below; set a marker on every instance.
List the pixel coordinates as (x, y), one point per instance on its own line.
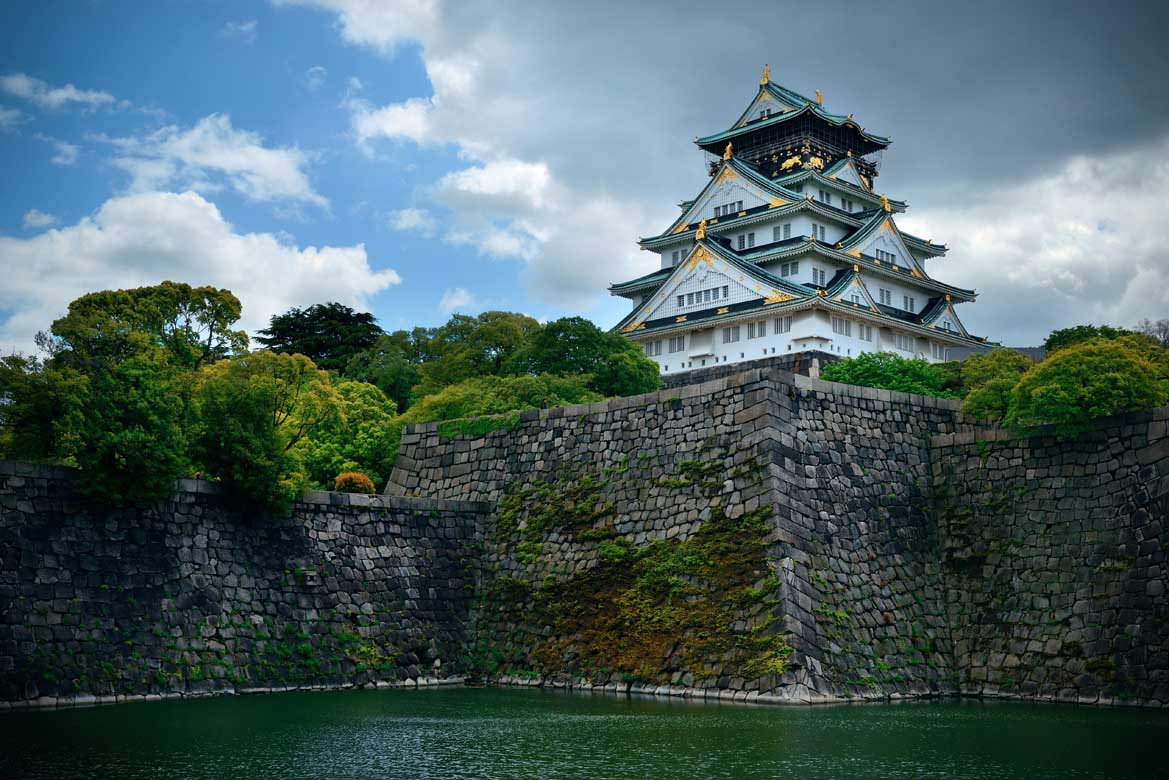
(46, 96)
(535, 188)
(380, 24)
(148, 237)
(34, 218)
(212, 151)
(9, 118)
(314, 77)
(245, 31)
(413, 220)
(457, 298)
(1081, 244)
(66, 153)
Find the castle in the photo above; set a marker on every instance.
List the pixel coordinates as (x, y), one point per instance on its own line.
(789, 248)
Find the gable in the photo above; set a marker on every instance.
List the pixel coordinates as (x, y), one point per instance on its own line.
(885, 240)
(856, 289)
(764, 105)
(848, 173)
(949, 317)
(700, 272)
(727, 187)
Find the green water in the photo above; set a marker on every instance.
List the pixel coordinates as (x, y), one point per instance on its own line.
(510, 733)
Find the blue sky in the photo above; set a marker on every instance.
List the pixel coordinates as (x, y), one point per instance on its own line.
(415, 157)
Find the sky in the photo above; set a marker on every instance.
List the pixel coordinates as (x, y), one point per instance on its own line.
(415, 158)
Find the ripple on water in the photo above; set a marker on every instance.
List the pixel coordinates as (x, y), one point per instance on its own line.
(510, 733)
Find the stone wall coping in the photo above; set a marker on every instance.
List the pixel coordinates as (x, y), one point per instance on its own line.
(15, 468)
(712, 386)
(989, 434)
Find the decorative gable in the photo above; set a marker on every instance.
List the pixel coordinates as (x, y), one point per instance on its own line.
(947, 320)
(697, 279)
(885, 244)
(728, 187)
(848, 173)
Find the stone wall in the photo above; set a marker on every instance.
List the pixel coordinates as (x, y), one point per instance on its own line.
(807, 363)
(763, 535)
(195, 596)
(1055, 561)
(851, 553)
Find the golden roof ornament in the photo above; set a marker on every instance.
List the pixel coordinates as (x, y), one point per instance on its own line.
(819, 98)
(701, 232)
(885, 205)
(727, 151)
(766, 75)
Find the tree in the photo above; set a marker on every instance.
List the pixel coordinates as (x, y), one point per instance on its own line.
(253, 410)
(386, 364)
(193, 325)
(127, 428)
(1078, 334)
(1158, 331)
(362, 437)
(329, 334)
(470, 347)
(890, 372)
(574, 346)
(989, 379)
(1089, 380)
(34, 398)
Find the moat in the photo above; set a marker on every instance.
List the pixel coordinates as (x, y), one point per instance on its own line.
(517, 733)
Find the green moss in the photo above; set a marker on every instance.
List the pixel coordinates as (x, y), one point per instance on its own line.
(535, 509)
(478, 426)
(644, 613)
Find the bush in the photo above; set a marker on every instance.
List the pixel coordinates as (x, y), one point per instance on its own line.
(890, 372)
(989, 379)
(353, 482)
(1090, 380)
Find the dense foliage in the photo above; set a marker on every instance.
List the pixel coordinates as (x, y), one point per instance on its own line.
(1090, 372)
(139, 387)
(1092, 379)
(890, 372)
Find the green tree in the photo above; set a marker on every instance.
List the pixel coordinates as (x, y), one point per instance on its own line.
(34, 399)
(989, 379)
(470, 347)
(362, 437)
(193, 325)
(329, 334)
(127, 428)
(1090, 380)
(575, 346)
(253, 410)
(388, 365)
(1066, 337)
(890, 372)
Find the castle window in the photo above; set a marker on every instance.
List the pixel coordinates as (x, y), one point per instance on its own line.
(864, 332)
(750, 240)
(887, 257)
(817, 231)
(826, 197)
(724, 291)
(819, 277)
(674, 257)
(855, 297)
(790, 269)
(731, 335)
(756, 330)
(908, 301)
(689, 299)
(706, 296)
(681, 301)
(886, 297)
(677, 343)
(782, 324)
(841, 326)
(846, 204)
(938, 350)
(904, 342)
(742, 241)
(653, 348)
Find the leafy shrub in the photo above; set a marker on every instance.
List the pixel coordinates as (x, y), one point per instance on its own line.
(989, 379)
(890, 372)
(353, 482)
(1079, 334)
(1089, 380)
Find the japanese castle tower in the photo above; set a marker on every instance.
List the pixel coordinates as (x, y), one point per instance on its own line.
(790, 248)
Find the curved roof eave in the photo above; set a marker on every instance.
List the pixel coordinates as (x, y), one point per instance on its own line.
(778, 119)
